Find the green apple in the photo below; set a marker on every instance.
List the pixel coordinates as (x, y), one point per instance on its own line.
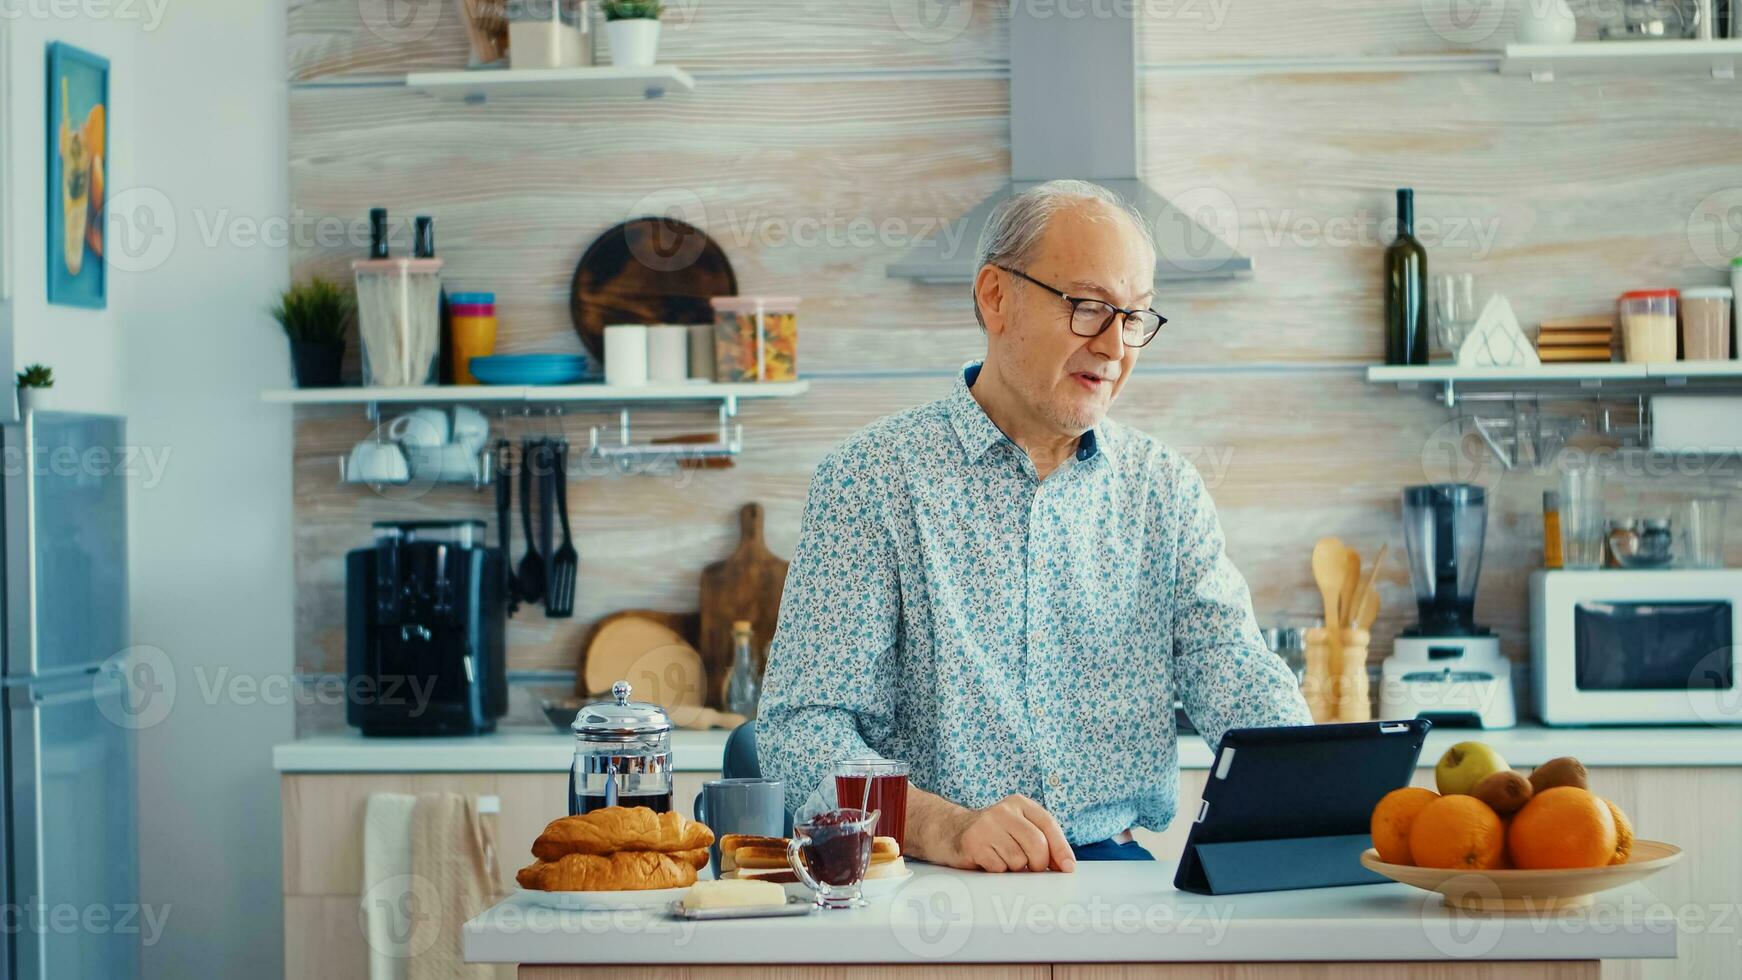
(1464, 765)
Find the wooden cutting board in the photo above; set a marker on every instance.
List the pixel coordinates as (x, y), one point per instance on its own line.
(652, 653)
(746, 585)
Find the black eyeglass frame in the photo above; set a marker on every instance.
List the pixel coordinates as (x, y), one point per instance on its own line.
(1119, 312)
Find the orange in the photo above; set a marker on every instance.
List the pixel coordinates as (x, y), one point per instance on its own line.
(1623, 834)
(1458, 832)
(1391, 821)
(1563, 827)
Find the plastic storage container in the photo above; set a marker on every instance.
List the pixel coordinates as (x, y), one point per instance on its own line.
(1648, 325)
(755, 338)
(1705, 314)
(472, 329)
(399, 320)
(549, 34)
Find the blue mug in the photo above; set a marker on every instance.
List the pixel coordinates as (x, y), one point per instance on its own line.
(752, 806)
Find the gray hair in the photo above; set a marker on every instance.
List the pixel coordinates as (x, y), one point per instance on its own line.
(1016, 225)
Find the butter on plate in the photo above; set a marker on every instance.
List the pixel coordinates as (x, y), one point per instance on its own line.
(733, 893)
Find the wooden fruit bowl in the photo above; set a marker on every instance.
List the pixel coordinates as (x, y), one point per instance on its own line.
(1514, 890)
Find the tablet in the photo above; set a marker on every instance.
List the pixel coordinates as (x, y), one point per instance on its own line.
(1290, 807)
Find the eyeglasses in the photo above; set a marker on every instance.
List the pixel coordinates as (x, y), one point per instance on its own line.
(1092, 317)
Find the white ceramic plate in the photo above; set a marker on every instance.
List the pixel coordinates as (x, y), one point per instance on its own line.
(606, 901)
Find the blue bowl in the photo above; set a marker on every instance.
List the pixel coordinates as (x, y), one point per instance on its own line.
(531, 369)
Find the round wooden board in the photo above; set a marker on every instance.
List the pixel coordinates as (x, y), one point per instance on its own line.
(647, 270)
(659, 664)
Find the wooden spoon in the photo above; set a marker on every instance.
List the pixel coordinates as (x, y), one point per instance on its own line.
(1359, 602)
(1369, 610)
(1330, 566)
(1351, 582)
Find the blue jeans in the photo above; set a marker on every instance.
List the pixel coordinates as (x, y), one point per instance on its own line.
(1108, 850)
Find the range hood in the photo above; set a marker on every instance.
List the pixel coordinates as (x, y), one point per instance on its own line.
(1074, 113)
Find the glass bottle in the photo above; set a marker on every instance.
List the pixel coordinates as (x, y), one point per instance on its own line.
(1405, 302)
(743, 686)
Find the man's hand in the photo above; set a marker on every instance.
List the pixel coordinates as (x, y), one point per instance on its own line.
(1014, 834)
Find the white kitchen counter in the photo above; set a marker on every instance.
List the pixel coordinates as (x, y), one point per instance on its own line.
(1104, 912)
(543, 750)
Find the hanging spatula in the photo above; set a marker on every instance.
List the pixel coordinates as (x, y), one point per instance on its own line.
(531, 573)
(564, 565)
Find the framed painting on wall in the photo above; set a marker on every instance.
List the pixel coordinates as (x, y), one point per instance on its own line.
(78, 137)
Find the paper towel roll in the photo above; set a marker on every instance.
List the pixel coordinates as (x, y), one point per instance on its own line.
(668, 353)
(626, 354)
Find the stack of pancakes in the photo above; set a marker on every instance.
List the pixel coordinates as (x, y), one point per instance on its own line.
(617, 849)
(764, 858)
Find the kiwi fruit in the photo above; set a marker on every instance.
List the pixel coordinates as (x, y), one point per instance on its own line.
(1505, 791)
(1564, 771)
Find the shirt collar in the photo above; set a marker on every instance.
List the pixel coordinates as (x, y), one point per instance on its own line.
(977, 431)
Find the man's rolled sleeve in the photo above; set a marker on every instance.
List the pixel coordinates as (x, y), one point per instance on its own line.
(830, 684)
(1227, 677)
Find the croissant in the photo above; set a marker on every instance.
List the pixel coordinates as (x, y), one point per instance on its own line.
(619, 828)
(622, 871)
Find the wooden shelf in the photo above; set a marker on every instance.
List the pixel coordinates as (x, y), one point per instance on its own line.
(546, 394)
(1546, 62)
(575, 83)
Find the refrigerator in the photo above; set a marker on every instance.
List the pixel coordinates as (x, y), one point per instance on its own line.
(69, 871)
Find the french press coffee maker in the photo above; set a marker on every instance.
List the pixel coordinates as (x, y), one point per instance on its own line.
(622, 755)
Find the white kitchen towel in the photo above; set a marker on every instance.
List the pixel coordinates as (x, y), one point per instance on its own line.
(386, 886)
(454, 871)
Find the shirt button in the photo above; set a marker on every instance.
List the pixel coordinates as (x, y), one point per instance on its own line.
(1054, 781)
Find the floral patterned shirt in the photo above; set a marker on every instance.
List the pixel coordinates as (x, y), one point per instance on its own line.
(1005, 634)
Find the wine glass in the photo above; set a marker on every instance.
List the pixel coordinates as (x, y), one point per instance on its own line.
(1454, 309)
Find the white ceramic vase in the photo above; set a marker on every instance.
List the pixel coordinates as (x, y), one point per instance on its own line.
(1547, 22)
(634, 42)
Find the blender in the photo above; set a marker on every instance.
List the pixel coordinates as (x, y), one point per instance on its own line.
(1446, 668)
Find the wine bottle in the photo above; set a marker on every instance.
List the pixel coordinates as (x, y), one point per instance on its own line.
(378, 233)
(1405, 289)
(423, 247)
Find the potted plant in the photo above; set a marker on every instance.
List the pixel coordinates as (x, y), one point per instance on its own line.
(633, 26)
(34, 383)
(316, 315)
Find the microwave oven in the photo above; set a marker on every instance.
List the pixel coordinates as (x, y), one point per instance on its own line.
(1620, 647)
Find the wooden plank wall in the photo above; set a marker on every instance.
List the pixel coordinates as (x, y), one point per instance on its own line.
(815, 121)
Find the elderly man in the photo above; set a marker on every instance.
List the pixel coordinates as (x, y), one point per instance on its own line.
(1007, 590)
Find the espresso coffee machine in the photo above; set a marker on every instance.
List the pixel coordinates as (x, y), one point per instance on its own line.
(425, 631)
(1446, 668)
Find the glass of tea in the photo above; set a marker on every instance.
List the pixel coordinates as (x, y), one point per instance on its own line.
(871, 783)
(831, 854)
